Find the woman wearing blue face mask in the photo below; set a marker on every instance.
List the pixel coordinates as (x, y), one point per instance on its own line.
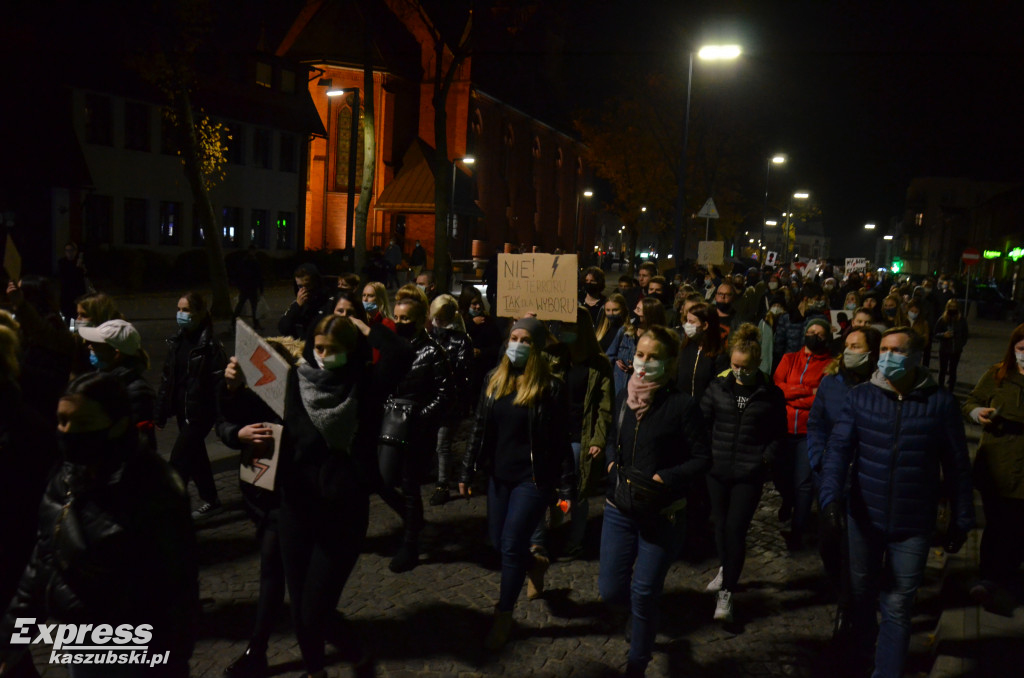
(193, 368)
(377, 306)
(747, 416)
(521, 440)
(656, 448)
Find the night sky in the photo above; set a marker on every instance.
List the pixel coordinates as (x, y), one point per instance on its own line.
(862, 96)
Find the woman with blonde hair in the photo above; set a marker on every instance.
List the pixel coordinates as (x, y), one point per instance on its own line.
(448, 330)
(377, 305)
(520, 438)
(611, 320)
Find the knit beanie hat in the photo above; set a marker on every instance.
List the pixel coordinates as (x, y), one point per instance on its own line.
(538, 332)
(819, 321)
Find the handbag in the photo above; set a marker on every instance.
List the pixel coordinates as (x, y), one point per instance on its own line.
(635, 495)
(399, 421)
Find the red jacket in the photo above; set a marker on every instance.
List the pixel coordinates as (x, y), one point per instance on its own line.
(798, 375)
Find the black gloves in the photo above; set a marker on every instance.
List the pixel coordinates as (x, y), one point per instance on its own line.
(955, 539)
(832, 522)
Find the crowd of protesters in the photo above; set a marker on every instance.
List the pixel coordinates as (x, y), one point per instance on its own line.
(677, 402)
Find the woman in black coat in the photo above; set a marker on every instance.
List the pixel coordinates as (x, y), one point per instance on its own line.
(188, 391)
(747, 415)
(520, 437)
(659, 444)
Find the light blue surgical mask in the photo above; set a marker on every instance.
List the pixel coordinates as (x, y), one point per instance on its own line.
(894, 366)
(184, 318)
(518, 353)
(475, 312)
(370, 306)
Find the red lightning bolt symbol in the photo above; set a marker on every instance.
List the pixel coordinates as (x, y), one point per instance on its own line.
(259, 358)
(263, 469)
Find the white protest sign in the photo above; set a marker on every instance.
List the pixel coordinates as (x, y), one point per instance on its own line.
(811, 268)
(266, 373)
(856, 265)
(710, 252)
(263, 471)
(770, 258)
(544, 284)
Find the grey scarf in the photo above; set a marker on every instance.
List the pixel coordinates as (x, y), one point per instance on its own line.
(333, 411)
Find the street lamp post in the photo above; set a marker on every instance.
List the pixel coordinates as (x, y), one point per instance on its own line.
(706, 53)
(777, 159)
(452, 224)
(587, 193)
(791, 223)
(331, 92)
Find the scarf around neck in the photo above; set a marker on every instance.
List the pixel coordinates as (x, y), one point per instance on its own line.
(331, 406)
(640, 395)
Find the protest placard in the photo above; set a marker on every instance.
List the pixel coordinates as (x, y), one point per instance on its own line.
(544, 284)
(12, 260)
(263, 471)
(266, 373)
(710, 253)
(856, 265)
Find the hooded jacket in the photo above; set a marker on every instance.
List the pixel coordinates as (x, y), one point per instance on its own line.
(743, 442)
(205, 369)
(798, 375)
(895, 447)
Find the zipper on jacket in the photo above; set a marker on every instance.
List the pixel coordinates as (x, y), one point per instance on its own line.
(892, 460)
(693, 380)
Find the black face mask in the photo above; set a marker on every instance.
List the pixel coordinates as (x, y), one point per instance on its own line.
(634, 320)
(593, 289)
(84, 448)
(724, 305)
(815, 343)
(405, 330)
(615, 320)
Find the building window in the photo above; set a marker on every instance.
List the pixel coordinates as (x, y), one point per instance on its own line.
(918, 218)
(289, 153)
(170, 223)
(136, 126)
(231, 226)
(135, 225)
(259, 227)
(477, 124)
(99, 120)
(261, 151)
(99, 219)
(287, 81)
(264, 74)
(285, 227)
(344, 148)
(236, 145)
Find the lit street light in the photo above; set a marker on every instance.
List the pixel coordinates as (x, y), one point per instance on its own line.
(777, 159)
(452, 224)
(886, 237)
(771, 223)
(587, 193)
(790, 224)
(869, 227)
(706, 53)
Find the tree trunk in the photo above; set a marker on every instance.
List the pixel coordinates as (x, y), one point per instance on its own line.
(220, 306)
(369, 155)
(442, 188)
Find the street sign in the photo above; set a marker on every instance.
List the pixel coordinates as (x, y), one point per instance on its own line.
(970, 256)
(709, 211)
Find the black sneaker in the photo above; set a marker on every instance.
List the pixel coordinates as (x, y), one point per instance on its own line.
(252, 664)
(207, 509)
(439, 496)
(407, 557)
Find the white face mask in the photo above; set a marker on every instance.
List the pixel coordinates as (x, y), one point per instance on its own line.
(691, 329)
(773, 285)
(854, 360)
(1020, 358)
(777, 310)
(745, 376)
(912, 315)
(650, 370)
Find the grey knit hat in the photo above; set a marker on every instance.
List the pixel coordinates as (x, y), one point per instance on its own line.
(538, 332)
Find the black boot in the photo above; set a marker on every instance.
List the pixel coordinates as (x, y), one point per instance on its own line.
(406, 558)
(251, 664)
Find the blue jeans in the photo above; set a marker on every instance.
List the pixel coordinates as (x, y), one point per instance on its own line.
(578, 513)
(634, 561)
(513, 512)
(803, 486)
(885, 572)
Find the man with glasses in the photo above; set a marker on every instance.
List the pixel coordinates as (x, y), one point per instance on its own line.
(898, 431)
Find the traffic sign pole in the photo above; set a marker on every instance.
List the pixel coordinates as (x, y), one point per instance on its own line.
(970, 257)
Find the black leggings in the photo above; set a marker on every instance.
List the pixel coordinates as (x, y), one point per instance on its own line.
(401, 469)
(272, 580)
(948, 362)
(732, 508)
(190, 460)
(320, 545)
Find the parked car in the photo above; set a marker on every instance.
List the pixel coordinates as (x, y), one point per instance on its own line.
(990, 302)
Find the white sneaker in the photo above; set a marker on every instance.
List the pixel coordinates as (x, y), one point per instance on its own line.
(715, 585)
(723, 610)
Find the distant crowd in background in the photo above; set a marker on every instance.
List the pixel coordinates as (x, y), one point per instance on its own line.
(676, 403)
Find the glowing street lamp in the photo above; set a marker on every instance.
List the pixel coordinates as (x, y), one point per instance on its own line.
(706, 53)
(777, 159)
(869, 227)
(452, 223)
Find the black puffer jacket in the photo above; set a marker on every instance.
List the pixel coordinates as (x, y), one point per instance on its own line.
(298, 321)
(551, 451)
(115, 547)
(206, 363)
(142, 399)
(743, 442)
(459, 349)
(697, 369)
(428, 381)
(671, 441)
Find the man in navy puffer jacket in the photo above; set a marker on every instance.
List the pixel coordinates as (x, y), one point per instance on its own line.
(899, 430)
